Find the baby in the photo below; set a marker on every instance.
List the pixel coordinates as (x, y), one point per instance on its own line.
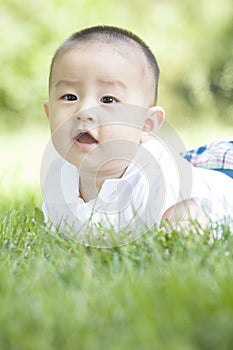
(111, 174)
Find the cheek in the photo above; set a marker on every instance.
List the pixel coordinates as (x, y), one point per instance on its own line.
(131, 133)
(59, 113)
(60, 119)
(116, 132)
(61, 137)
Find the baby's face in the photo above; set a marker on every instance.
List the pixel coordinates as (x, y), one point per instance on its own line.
(97, 107)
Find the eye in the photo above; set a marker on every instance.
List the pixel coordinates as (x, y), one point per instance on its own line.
(108, 99)
(69, 97)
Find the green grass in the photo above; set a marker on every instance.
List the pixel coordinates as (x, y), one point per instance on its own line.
(164, 291)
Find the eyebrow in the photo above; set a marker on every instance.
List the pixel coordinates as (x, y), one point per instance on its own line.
(65, 82)
(112, 82)
(68, 82)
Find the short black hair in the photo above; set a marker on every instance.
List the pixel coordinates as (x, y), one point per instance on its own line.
(111, 34)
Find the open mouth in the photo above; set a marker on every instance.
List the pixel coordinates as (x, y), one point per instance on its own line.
(85, 138)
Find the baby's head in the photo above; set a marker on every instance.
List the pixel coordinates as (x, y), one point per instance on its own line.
(118, 40)
(94, 74)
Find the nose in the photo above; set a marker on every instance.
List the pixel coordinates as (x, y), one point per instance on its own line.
(86, 111)
(85, 117)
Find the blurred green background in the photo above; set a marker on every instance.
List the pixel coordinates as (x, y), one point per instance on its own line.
(192, 40)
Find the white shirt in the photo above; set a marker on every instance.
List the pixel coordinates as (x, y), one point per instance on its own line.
(156, 179)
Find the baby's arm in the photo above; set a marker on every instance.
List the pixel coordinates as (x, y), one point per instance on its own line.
(183, 212)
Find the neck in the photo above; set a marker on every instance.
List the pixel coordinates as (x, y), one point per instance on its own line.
(90, 184)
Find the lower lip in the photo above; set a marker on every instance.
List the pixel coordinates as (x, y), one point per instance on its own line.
(86, 147)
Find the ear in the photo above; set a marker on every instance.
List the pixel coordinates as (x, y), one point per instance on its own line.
(46, 108)
(154, 120)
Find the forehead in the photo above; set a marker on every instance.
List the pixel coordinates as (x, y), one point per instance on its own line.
(129, 48)
(111, 50)
(101, 57)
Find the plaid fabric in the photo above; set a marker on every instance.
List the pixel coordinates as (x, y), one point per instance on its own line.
(216, 156)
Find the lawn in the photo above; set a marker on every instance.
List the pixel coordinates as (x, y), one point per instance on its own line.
(163, 291)
(167, 290)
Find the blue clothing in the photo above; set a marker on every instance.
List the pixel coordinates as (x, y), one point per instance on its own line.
(215, 156)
